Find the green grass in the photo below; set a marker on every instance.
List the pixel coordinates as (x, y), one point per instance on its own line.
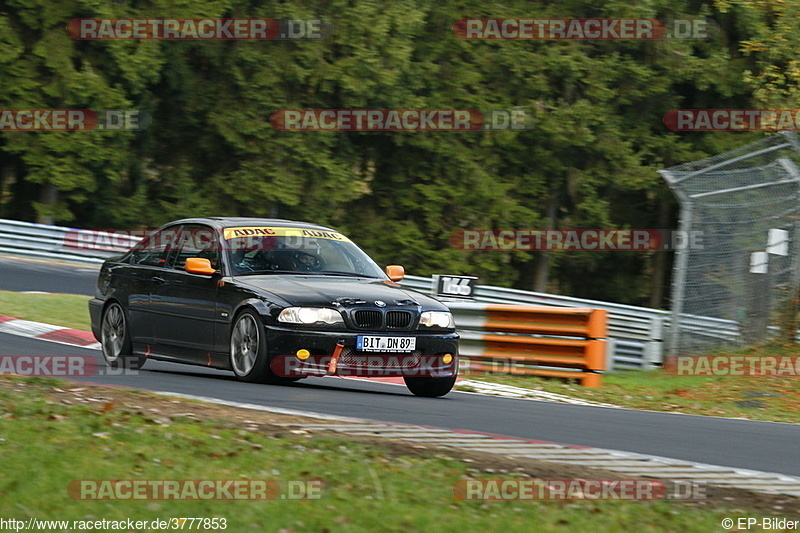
(68, 310)
(46, 444)
(770, 398)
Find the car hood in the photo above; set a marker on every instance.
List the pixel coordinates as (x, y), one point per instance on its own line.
(316, 290)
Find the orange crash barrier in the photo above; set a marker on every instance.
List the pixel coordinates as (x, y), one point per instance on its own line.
(533, 340)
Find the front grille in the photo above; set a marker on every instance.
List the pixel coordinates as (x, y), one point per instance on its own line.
(368, 319)
(398, 319)
(350, 359)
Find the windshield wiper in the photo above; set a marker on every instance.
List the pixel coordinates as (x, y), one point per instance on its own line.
(342, 273)
(260, 272)
(307, 273)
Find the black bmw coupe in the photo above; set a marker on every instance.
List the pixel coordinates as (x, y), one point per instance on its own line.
(272, 300)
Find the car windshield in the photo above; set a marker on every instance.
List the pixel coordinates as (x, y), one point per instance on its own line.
(279, 250)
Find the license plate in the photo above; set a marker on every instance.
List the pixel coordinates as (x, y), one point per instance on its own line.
(386, 344)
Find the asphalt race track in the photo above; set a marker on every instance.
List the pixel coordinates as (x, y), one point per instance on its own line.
(46, 277)
(765, 446)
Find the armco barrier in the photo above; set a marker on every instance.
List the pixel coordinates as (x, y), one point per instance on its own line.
(634, 333)
(56, 242)
(533, 340)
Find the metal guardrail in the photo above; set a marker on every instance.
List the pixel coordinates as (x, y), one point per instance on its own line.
(635, 334)
(56, 242)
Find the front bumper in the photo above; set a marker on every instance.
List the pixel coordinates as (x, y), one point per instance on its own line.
(435, 355)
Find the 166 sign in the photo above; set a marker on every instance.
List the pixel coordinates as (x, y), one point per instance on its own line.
(455, 286)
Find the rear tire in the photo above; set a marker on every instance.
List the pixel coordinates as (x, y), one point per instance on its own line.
(430, 387)
(115, 340)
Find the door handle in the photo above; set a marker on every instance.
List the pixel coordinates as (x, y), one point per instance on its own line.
(159, 280)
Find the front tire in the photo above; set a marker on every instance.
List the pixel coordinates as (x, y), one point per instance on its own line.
(248, 348)
(248, 351)
(430, 387)
(115, 340)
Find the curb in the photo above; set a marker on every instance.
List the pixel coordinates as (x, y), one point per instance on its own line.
(627, 464)
(48, 332)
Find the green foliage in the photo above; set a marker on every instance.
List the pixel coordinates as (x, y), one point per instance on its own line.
(589, 158)
(771, 30)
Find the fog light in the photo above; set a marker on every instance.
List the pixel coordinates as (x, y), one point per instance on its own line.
(447, 358)
(303, 354)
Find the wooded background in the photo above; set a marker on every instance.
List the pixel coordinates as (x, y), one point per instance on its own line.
(589, 161)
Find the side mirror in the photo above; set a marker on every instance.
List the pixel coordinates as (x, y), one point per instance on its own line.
(395, 272)
(198, 265)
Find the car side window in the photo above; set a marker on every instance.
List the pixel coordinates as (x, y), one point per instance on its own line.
(153, 250)
(196, 240)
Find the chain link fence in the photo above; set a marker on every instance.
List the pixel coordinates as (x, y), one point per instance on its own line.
(744, 206)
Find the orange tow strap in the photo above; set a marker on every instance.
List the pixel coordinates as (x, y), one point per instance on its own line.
(335, 358)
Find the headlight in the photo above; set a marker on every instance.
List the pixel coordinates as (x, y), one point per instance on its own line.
(439, 319)
(310, 315)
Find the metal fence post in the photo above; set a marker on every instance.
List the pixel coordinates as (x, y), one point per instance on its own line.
(679, 270)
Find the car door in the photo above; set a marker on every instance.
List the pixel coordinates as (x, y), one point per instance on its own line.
(184, 304)
(134, 279)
